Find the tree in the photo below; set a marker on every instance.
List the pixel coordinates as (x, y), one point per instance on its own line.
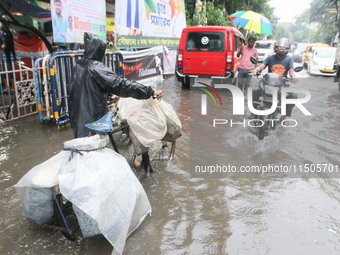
(318, 23)
(284, 30)
(327, 23)
(219, 10)
(301, 29)
(210, 15)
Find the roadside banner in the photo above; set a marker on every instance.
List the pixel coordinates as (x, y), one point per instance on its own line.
(169, 59)
(148, 23)
(71, 19)
(143, 64)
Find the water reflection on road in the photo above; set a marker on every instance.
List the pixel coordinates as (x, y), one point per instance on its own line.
(201, 215)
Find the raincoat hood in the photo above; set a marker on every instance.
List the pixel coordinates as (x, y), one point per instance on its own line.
(91, 83)
(95, 47)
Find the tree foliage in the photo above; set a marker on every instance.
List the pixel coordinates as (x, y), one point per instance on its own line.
(326, 22)
(210, 15)
(223, 8)
(317, 24)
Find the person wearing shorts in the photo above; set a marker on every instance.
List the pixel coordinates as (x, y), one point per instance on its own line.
(246, 66)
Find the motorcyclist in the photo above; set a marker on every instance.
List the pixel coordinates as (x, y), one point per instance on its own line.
(282, 64)
(92, 81)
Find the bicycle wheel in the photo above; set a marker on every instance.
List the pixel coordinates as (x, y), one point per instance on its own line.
(162, 154)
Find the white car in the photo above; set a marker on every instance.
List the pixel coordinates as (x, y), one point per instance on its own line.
(264, 48)
(321, 61)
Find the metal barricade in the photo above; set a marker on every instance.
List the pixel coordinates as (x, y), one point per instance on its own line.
(60, 72)
(17, 89)
(42, 85)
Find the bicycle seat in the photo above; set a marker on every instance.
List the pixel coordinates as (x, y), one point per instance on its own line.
(104, 124)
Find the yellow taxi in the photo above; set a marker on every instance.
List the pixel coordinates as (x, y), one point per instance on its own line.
(309, 51)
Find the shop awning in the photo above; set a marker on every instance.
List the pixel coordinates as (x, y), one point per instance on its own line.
(20, 7)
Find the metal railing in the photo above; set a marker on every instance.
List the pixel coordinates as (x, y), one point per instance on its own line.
(60, 74)
(17, 90)
(44, 88)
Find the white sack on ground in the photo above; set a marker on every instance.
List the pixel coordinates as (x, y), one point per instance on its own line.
(101, 183)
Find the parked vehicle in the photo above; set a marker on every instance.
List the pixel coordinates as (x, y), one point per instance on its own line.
(337, 63)
(265, 48)
(298, 51)
(321, 62)
(309, 50)
(208, 51)
(262, 124)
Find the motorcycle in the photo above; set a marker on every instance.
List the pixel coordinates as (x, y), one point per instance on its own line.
(264, 123)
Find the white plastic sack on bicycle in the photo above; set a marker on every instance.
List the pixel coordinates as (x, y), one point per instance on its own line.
(173, 124)
(44, 175)
(148, 119)
(35, 188)
(101, 183)
(95, 179)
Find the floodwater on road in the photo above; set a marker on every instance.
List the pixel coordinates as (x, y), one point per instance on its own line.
(232, 216)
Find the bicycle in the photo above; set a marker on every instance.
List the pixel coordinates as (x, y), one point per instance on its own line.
(64, 217)
(109, 125)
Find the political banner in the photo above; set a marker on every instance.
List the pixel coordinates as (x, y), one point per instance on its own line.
(147, 23)
(71, 19)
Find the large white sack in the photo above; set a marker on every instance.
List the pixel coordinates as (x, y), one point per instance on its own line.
(38, 205)
(35, 188)
(146, 121)
(45, 174)
(150, 119)
(102, 184)
(173, 124)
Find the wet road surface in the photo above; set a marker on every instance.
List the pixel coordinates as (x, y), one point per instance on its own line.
(202, 215)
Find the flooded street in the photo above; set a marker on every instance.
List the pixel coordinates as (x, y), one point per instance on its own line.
(234, 216)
